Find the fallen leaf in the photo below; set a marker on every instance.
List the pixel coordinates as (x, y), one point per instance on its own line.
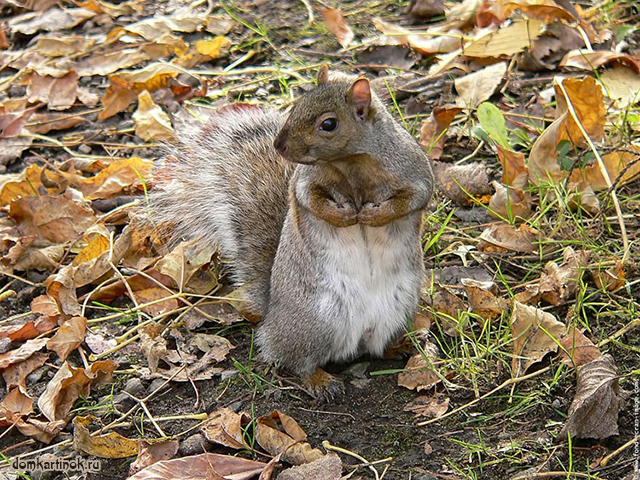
(505, 41)
(57, 46)
(428, 406)
(110, 62)
(559, 283)
(152, 452)
(153, 345)
(514, 169)
(15, 375)
(62, 289)
(577, 349)
(206, 465)
(610, 279)
(427, 42)
(510, 203)
(446, 308)
(58, 93)
(13, 120)
(622, 167)
(545, 10)
(40, 430)
(419, 374)
(594, 409)
(224, 426)
(431, 131)
(99, 255)
(152, 123)
(68, 337)
(21, 353)
(278, 433)
(475, 88)
(15, 406)
(592, 59)
(501, 237)
(336, 24)
(535, 333)
(483, 300)
(68, 384)
(328, 467)
(184, 20)
(622, 86)
(55, 19)
(184, 264)
(108, 445)
(152, 296)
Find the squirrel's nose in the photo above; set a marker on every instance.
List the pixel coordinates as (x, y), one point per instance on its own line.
(280, 144)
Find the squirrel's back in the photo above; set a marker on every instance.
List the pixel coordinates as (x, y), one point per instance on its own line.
(225, 184)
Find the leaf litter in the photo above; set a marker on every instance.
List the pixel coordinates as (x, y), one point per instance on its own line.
(149, 66)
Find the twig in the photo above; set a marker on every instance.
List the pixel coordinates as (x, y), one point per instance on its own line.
(328, 446)
(617, 451)
(603, 171)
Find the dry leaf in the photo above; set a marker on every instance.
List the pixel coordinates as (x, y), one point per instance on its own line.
(622, 86)
(109, 445)
(152, 123)
(153, 345)
(54, 20)
(615, 163)
(58, 93)
(428, 406)
(594, 410)
(110, 62)
(431, 131)
(152, 452)
(184, 264)
(418, 374)
(559, 283)
(482, 299)
(278, 433)
(510, 202)
(535, 334)
(514, 170)
(505, 41)
(15, 406)
(62, 289)
(447, 308)
(68, 337)
(334, 21)
(501, 237)
(224, 427)
(56, 46)
(15, 375)
(206, 465)
(475, 88)
(21, 353)
(577, 349)
(154, 294)
(592, 59)
(610, 279)
(427, 42)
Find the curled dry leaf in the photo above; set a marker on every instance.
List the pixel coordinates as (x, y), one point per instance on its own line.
(501, 237)
(482, 299)
(224, 426)
(21, 353)
(590, 59)
(428, 406)
(58, 93)
(184, 264)
(610, 279)
(68, 384)
(99, 255)
(427, 42)
(514, 170)
(278, 433)
(559, 283)
(419, 374)
(68, 337)
(152, 452)
(431, 131)
(336, 24)
(623, 86)
(328, 467)
(594, 410)
(462, 183)
(62, 289)
(15, 375)
(14, 406)
(577, 349)
(206, 465)
(535, 334)
(109, 445)
(546, 10)
(475, 88)
(445, 308)
(55, 19)
(510, 202)
(152, 123)
(153, 345)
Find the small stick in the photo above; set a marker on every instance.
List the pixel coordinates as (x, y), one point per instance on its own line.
(328, 446)
(606, 459)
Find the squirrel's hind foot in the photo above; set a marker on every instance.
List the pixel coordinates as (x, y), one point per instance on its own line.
(323, 386)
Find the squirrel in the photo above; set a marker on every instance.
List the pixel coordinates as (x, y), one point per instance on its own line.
(319, 214)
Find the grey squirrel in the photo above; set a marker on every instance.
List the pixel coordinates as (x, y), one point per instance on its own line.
(319, 215)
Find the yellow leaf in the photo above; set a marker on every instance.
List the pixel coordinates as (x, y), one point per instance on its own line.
(212, 46)
(152, 123)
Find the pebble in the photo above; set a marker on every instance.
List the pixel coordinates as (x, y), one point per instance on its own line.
(192, 445)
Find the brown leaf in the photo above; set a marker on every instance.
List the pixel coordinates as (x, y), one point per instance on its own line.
(559, 283)
(62, 289)
(68, 384)
(328, 467)
(109, 445)
(15, 375)
(55, 19)
(334, 21)
(462, 183)
(47, 258)
(615, 163)
(510, 203)
(418, 374)
(482, 299)
(206, 465)
(447, 308)
(96, 258)
(278, 433)
(428, 406)
(152, 452)
(475, 88)
(68, 337)
(56, 218)
(154, 294)
(40, 430)
(505, 41)
(610, 279)
(594, 410)
(12, 121)
(623, 86)
(57, 46)
(546, 10)
(514, 170)
(57, 93)
(535, 333)
(224, 427)
(110, 62)
(152, 123)
(184, 264)
(501, 237)
(21, 353)
(578, 349)
(432, 42)
(14, 406)
(431, 131)
(43, 123)
(153, 345)
(425, 9)
(591, 59)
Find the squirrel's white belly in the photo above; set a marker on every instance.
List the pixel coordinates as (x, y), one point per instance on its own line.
(369, 284)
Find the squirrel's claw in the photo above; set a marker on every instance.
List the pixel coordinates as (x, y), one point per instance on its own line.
(323, 386)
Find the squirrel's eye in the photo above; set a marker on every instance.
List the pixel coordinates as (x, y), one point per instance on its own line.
(329, 124)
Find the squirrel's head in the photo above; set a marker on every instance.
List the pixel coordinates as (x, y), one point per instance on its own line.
(328, 123)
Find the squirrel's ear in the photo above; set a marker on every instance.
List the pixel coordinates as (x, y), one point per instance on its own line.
(359, 95)
(323, 74)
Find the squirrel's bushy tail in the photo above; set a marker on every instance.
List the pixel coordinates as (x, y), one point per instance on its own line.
(225, 184)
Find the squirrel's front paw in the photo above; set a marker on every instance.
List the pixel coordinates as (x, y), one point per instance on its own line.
(374, 214)
(323, 386)
(345, 215)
